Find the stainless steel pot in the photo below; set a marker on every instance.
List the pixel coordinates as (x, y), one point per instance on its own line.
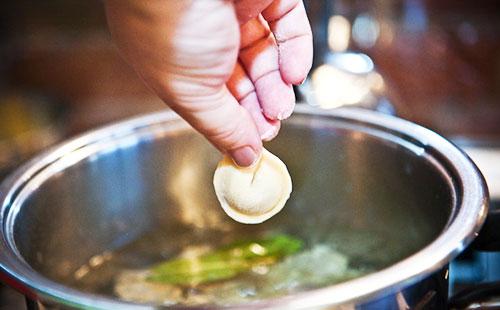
(354, 172)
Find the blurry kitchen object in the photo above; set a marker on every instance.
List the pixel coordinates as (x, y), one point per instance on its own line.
(341, 76)
(28, 124)
(346, 79)
(439, 60)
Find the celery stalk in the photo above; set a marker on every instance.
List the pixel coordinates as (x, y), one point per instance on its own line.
(225, 262)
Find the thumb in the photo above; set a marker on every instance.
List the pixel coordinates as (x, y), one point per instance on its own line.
(225, 123)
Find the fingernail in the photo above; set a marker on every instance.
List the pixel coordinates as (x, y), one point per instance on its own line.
(244, 156)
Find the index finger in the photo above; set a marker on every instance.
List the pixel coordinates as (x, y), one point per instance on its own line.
(289, 23)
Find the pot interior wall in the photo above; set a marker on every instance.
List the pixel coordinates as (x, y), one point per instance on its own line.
(380, 200)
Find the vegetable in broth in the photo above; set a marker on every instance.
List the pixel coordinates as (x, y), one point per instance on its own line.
(226, 262)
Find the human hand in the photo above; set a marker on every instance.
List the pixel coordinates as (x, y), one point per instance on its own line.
(227, 67)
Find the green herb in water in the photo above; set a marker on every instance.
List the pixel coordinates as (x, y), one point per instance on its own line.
(226, 262)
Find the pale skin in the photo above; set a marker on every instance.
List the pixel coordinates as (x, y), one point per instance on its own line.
(227, 67)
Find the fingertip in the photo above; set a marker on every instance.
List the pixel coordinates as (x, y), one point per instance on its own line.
(276, 97)
(267, 128)
(272, 131)
(295, 59)
(286, 113)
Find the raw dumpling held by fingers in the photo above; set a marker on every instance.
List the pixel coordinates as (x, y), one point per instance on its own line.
(252, 195)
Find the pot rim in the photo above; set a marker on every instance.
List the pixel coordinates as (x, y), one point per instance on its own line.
(462, 228)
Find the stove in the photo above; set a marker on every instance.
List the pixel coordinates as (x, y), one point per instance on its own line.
(475, 274)
(11, 299)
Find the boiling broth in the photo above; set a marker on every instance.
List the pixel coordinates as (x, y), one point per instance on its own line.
(340, 255)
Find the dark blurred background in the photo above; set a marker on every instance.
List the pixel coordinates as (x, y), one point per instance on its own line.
(433, 62)
(60, 74)
(439, 61)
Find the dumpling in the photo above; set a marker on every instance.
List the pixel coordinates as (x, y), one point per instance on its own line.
(252, 194)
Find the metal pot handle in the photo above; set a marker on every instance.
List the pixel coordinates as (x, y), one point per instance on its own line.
(477, 297)
(489, 236)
